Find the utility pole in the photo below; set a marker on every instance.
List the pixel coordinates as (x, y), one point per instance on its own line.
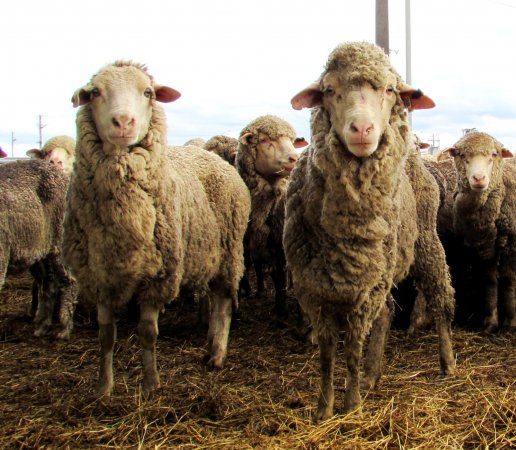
(12, 143)
(408, 49)
(41, 126)
(382, 24)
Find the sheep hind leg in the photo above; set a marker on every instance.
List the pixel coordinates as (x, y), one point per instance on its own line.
(327, 351)
(376, 347)
(148, 335)
(46, 299)
(107, 338)
(219, 325)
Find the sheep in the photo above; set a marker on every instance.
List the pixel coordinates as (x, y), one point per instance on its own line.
(58, 150)
(484, 219)
(198, 142)
(144, 219)
(224, 146)
(360, 215)
(266, 155)
(31, 225)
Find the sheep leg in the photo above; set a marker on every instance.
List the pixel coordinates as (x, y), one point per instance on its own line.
(419, 315)
(280, 287)
(490, 284)
(46, 300)
(260, 283)
(107, 338)
(148, 335)
(327, 351)
(218, 331)
(353, 351)
(376, 346)
(507, 293)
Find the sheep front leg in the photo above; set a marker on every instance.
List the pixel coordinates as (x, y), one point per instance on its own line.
(107, 338)
(327, 350)
(376, 346)
(490, 284)
(218, 331)
(45, 307)
(148, 334)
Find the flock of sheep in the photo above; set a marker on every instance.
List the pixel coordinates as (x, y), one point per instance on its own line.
(119, 216)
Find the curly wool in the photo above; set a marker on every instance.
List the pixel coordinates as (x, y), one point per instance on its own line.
(224, 146)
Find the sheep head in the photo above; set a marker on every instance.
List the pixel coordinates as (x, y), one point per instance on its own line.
(121, 97)
(477, 157)
(272, 143)
(359, 89)
(58, 151)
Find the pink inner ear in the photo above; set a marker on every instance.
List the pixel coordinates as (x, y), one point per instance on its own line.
(300, 142)
(307, 98)
(166, 94)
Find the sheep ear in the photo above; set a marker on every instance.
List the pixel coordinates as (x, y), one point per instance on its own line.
(506, 153)
(34, 153)
(300, 142)
(247, 138)
(309, 97)
(451, 151)
(415, 99)
(81, 97)
(166, 94)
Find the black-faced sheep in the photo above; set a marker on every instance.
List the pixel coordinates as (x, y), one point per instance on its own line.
(266, 155)
(361, 214)
(144, 219)
(58, 150)
(31, 226)
(484, 219)
(224, 146)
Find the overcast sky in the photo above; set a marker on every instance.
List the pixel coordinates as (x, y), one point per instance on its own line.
(233, 60)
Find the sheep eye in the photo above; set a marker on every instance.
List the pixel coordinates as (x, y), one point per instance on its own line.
(329, 91)
(390, 90)
(95, 92)
(148, 93)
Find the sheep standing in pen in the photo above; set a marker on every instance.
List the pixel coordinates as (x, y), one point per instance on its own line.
(31, 226)
(265, 157)
(144, 220)
(360, 215)
(484, 219)
(58, 150)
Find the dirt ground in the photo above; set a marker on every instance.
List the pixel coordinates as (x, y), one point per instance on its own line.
(264, 398)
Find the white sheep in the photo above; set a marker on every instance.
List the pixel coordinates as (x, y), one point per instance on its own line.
(144, 220)
(361, 214)
(58, 150)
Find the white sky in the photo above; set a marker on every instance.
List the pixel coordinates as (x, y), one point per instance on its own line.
(234, 60)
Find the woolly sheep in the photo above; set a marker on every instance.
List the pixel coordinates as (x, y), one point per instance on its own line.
(484, 219)
(360, 212)
(224, 146)
(144, 220)
(31, 225)
(58, 150)
(198, 142)
(266, 155)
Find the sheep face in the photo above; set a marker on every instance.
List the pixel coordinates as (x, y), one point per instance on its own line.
(58, 157)
(274, 157)
(476, 157)
(121, 98)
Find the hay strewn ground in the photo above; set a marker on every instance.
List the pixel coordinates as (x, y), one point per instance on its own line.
(264, 398)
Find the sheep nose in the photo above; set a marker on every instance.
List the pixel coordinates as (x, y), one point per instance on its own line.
(479, 178)
(361, 127)
(292, 158)
(122, 121)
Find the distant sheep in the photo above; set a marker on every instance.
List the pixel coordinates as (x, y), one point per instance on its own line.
(58, 150)
(198, 142)
(224, 146)
(265, 157)
(360, 215)
(144, 219)
(484, 218)
(31, 225)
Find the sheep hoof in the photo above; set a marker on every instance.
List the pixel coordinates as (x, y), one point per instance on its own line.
(215, 362)
(104, 391)
(323, 414)
(63, 335)
(368, 383)
(149, 386)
